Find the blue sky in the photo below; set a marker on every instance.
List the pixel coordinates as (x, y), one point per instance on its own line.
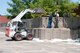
(4, 6)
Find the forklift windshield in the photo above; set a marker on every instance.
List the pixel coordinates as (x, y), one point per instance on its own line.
(20, 24)
(14, 23)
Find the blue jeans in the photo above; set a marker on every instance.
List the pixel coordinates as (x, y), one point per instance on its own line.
(50, 24)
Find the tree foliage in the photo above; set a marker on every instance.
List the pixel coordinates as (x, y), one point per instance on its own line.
(63, 6)
(77, 10)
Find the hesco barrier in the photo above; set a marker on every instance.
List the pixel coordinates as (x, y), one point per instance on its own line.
(64, 22)
(51, 33)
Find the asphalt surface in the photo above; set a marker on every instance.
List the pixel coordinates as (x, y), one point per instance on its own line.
(10, 46)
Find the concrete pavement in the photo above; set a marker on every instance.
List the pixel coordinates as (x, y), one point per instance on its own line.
(9, 46)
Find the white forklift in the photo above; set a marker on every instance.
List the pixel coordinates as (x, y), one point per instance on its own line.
(15, 28)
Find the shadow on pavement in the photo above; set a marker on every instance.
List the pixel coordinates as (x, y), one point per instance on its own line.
(15, 40)
(9, 40)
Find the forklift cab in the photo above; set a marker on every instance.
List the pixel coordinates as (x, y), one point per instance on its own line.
(13, 27)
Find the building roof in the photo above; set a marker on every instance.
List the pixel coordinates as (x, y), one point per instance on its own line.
(39, 10)
(3, 19)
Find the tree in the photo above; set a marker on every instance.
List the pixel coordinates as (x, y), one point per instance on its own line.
(68, 7)
(17, 6)
(63, 6)
(77, 10)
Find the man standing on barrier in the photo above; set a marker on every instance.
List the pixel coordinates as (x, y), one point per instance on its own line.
(56, 19)
(50, 21)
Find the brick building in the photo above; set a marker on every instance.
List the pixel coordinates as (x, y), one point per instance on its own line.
(3, 21)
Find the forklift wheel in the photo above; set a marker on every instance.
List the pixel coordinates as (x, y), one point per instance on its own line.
(29, 37)
(18, 37)
(12, 38)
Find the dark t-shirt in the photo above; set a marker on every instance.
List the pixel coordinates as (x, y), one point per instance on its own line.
(50, 17)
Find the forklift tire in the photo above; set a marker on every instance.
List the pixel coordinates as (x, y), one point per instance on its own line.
(29, 37)
(18, 37)
(12, 38)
